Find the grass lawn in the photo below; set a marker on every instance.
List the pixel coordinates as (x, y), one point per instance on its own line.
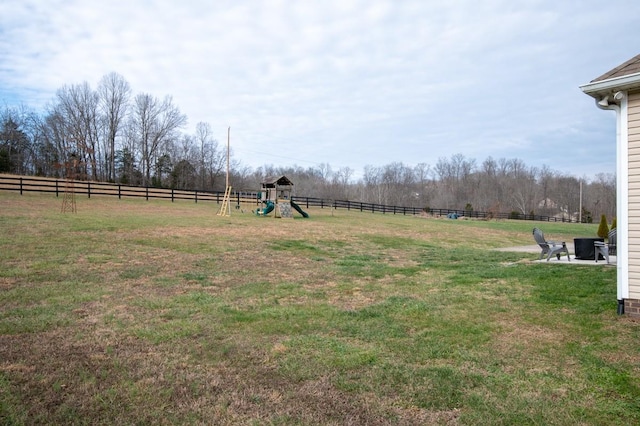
(136, 312)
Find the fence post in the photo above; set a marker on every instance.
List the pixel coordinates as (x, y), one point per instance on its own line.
(20, 186)
(196, 197)
(172, 195)
(56, 188)
(119, 192)
(88, 189)
(146, 193)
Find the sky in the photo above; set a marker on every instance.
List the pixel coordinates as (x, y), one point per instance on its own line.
(344, 83)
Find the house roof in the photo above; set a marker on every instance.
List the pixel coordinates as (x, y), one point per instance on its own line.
(632, 66)
(625, 76)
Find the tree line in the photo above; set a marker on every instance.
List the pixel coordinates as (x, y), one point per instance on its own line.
(110, 134)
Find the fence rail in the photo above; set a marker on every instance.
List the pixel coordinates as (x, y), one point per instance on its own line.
(24, 184)
(452, 213)
(60, 186)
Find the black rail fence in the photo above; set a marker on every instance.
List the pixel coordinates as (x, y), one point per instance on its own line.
(24, 184)
(450, 213)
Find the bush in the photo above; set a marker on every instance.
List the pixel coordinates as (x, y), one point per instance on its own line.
(614, 224)
(603, 228)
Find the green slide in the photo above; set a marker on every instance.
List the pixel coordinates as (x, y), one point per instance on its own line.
(299, 210)
(268, 209)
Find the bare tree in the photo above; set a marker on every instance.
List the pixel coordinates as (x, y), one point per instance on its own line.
(455, 180)
(211, 160)
(489, 192)
(153, 123)
(340, 181)
(113, 97)
(566, 194)
(40, 162)
(78, 108)
(372, 190)
(600, 196)
(398, 180)
(244, 178)
(523, 188)
(545, 181)
(424, 188)
(55, 140)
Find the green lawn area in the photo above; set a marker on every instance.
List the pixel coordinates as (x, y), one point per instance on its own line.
(152, 312)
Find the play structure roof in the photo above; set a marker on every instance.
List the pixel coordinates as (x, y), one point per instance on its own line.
(277, 181)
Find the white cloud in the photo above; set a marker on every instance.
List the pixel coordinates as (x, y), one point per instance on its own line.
(346, 82)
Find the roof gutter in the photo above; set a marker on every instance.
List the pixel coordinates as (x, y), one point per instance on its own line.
(599, 89)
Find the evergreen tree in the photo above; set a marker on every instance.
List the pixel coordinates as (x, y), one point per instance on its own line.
(603, 229)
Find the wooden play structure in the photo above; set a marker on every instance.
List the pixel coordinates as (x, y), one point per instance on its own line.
(275, 194)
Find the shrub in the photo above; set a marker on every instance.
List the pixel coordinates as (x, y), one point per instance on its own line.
(603, 228)
(614, 224)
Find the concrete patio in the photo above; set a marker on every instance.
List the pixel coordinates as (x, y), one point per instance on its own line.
(535, 249)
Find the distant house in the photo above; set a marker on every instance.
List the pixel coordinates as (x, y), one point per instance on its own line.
(619, 90)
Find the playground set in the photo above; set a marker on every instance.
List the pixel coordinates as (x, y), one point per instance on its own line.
(275, 194)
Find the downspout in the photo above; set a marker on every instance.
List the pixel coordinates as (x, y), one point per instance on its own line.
(622, 192)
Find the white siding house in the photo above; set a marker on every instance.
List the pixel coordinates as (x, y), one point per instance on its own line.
(619, 90)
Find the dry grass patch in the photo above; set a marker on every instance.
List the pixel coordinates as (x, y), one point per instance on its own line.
(163, 313)
(531, 348)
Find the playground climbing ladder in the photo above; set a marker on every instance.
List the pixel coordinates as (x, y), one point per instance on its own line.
(225, 209)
